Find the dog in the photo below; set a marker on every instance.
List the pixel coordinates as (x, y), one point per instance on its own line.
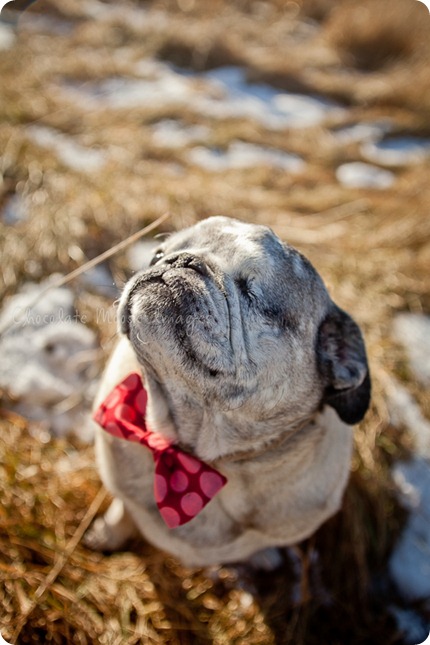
(248, 367)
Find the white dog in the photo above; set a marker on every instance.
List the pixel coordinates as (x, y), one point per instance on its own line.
(249, 367)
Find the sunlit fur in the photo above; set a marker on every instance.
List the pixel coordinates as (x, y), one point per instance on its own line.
(225, 327)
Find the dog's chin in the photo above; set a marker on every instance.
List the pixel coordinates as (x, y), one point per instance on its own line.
(175, 351)
(195, 366)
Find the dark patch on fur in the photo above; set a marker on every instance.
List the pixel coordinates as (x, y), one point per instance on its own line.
(342, 362)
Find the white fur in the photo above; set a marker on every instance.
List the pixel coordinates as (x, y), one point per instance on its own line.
(289, 481)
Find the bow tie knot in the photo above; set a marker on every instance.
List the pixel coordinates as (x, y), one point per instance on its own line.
(183, 484)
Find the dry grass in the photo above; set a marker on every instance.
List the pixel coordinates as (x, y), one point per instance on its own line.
(144, 596)
(373, 250)
(373, 39)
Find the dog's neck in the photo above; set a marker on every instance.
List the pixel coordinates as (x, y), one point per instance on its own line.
(214, 435)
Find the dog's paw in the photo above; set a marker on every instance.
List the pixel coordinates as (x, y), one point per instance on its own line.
(112, 531)
(100, 537)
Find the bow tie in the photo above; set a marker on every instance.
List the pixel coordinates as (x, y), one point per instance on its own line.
(183, 484)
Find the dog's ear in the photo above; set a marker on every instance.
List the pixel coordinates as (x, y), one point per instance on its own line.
(342, 363)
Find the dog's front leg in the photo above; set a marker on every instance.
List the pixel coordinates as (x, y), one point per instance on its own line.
(112, 531)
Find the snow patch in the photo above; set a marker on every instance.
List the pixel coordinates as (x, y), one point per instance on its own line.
(99, 279)
(361, 132)
(7, 36)
(14, 211)
(409, 565)
(222, 93)
(362, 175)
(126, 93)
(47, 359)
(173, 134)
(399, 151)
(270, 107)
(244, 155)
(71, 153)
(139, 255)
(413, 332)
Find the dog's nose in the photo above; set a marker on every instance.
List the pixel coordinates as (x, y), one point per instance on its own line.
(187, 261)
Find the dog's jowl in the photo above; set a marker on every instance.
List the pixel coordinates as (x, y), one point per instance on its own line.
(224, 415)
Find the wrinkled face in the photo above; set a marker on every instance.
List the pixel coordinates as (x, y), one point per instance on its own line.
(230, 315)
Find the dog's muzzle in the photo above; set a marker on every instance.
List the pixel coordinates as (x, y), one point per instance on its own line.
(181, 300)
(156, 276)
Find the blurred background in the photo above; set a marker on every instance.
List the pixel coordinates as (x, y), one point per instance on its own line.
(310, 116)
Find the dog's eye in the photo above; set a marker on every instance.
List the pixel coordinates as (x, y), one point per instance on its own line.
(157, 256)
(245, 287)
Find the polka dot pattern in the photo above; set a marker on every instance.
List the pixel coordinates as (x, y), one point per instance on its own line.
(179, 481)
(183, 484)
(192, 503)
(210, 483)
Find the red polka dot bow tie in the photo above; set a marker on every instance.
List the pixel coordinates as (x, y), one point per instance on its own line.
(183, 484)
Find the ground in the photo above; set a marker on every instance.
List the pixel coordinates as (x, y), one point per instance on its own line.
(112, 114)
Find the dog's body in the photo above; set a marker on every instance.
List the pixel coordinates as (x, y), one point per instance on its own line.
(250, 366)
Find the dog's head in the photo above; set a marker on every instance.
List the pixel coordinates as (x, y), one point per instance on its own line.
(236, 319)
